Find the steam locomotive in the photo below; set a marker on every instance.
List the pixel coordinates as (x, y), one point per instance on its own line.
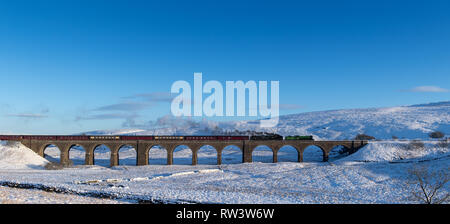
(267, 136)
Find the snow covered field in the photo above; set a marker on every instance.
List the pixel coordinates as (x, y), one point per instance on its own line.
(25, 196)
(377, 173)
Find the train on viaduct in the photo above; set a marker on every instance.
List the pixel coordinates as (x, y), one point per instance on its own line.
(143, 144)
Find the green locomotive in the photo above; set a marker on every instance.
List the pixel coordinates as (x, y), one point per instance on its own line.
(297, 137)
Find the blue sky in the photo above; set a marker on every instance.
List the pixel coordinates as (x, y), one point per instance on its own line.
(73, 66)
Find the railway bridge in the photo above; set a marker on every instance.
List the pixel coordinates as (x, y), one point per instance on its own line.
(143, 146)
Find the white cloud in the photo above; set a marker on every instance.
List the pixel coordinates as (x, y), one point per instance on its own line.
(429, 89)
(128, 106)
(105, 116)
(24, 115)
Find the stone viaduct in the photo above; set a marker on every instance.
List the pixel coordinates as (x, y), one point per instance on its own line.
(142, 148)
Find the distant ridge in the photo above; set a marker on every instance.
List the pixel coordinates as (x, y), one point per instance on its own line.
(403, 122)
(437, 104)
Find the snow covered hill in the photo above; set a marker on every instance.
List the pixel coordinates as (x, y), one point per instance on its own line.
(17, 156)
(408, 122)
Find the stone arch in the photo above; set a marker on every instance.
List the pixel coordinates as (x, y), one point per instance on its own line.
(314, 153)
(261, 154)
(207, 154)
(77, 154)
(157, 154)
(126, 155)
(338, 151)
(228, 155)
(234, 145)
(182, 154)
(102, 155)
(54, 152)
(288, 153)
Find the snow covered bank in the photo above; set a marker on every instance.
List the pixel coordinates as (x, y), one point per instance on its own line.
(389, 151)
(17, 156)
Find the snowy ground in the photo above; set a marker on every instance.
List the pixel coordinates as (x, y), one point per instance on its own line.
(375, 174)
(23, 196)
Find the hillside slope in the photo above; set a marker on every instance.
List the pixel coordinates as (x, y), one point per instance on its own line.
(408, 122)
